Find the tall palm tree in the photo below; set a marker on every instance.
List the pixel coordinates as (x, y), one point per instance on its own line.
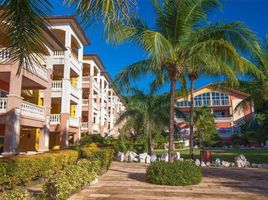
(24, 21)
(179, 40)
(145, 114)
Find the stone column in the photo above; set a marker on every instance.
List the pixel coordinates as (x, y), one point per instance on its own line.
(64, 128)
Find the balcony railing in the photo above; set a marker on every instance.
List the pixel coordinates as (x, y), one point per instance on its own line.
(84, 126)
(32, 110)
(56, 85)
(84, 102)
(229, 118)
(4, 54)
(54, 119)
(95, 127)
(85, 79)
(74, 91)
(58, 53)
(74, 62)
(74, 121)
(40, 71)
(3, 105)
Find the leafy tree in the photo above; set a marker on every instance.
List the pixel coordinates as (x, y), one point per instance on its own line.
(145, 114)
(204, 122)
(179, 42)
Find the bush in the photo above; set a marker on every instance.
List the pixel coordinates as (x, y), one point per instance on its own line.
(71, 179)
(87, 139)
(16, 195)
(20, 170)
(104, 156)
(176, 173)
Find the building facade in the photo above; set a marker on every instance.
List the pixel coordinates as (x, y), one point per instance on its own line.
(50, 104)
(223, 103)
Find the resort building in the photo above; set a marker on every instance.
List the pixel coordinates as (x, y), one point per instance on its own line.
(66, 93)
(101, 105)
(223, 102)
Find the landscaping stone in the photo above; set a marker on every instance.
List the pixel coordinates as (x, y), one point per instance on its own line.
(208, 164)
(265, 166)
(218, 162)
(197, 162)
(254, 165)
(177, 156)
(153, 157)
(241, 161)
(225, 164)
(132, 156)
(148, 159)
(164, 157)
(120, 156)
(259, 165)
(142, 157)
(203, 164)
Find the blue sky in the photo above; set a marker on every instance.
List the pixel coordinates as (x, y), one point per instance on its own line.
(252, 12)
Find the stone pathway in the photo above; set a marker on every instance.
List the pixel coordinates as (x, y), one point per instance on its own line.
(128, 181)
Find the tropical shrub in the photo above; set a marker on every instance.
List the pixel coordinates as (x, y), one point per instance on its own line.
(87, 139)
(176, 173)
(104, 156)
(16, 195)
(20, 170)
(71, 179)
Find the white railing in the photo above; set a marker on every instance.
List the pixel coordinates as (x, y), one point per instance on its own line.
(32, 110)
(95, 84)
(95, 127)
(223, 118)
(84, 102)
(84, 126)
(3, 105)
(4, 54)
(74, 91)
(55, 119)
(85, 79)
(75, 62)
(74, 121)
(40, 71)
(95, 106)
(56, 85)
(58, 53)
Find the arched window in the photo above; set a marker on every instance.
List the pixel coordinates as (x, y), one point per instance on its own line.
(202, 99)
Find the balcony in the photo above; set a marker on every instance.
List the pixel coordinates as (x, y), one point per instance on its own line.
(54, 119)
(75, 64)
(32, 110)
(223, 119)
(84, 102)
(3, 105)
(74, 121)
(84, 126)
(95, 127)
(57, 85)
(36, 69)
(74, 91)
(85, 79)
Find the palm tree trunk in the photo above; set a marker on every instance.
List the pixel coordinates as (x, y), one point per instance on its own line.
(171, 115)
(191, 124)
(149, 139)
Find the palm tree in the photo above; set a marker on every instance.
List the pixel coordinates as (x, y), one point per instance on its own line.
(204, 122)
(145, 114)
(24, 21)
(179, 40)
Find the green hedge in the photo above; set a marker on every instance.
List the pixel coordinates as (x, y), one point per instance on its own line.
(176, 173)
(20, 170)
(104, 156)
(20, 194)
(71, 179)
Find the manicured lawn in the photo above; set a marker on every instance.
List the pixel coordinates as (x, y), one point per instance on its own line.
(253, 155)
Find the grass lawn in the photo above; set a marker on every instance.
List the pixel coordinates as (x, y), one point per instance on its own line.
(252, 155)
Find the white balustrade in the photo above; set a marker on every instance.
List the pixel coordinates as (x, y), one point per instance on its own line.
(58, 53)
(95, 84)
(84, 102)
(95, 127)
(40, 71)
(84, 126)
(54, 119)
(3, 105)
(74, 90)
(223, 118)
(56, 85)
(74, 62)
(85, 79)
(4, 54)
(32, 110)
(74, 121)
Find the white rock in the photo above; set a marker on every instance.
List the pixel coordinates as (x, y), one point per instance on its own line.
(241, 161)
(153, 157)
(265, 166)
(254, 165)
(177, 156)
(142, 157)
(148, 159)
(259, 165)
(197, 162)
(218, 162)
(225, 164)
(164, 157)
(208, 164)
(126, 156)
(203, 164)
(120, 156)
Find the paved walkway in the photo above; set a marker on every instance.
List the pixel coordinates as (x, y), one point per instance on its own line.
(127, 181)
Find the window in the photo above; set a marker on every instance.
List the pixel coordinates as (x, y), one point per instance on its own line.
(216, 98)
(184, 104)
(224, 99)
(202, 99)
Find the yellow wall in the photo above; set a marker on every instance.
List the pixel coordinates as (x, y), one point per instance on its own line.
(74, 81)
(72, 110)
